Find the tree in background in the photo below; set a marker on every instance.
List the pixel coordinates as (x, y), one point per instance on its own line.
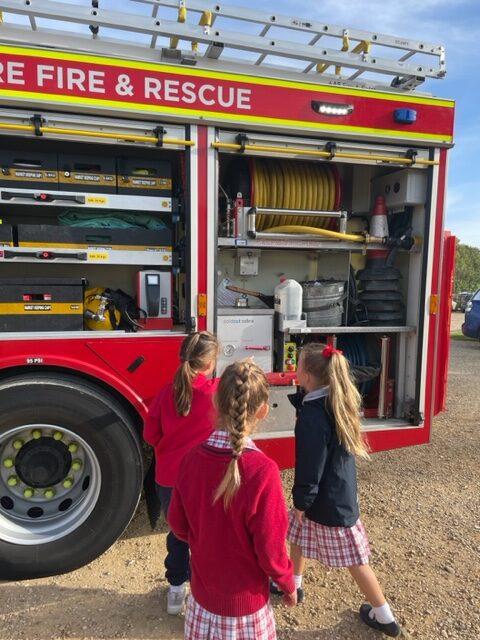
(467, 268)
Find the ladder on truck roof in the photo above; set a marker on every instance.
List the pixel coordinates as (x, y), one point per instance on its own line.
(220, 37)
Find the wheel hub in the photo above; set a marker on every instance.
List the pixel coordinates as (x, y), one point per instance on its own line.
(43, 462)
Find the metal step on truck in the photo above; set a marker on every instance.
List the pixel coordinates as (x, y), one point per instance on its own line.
(180, 166)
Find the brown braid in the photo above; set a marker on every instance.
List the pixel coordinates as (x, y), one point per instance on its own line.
(197, 352)
(237, 411)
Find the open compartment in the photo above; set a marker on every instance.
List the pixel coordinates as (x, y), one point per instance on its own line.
(334, 247)
(83, 229)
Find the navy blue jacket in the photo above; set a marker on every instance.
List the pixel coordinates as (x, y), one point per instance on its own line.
(325, 484)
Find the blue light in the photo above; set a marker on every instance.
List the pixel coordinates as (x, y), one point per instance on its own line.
(405, 116)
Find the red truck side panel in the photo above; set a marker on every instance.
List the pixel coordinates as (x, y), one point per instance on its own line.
(135, 367)
(444, 316)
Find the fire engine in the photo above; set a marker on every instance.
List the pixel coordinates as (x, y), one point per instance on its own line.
(174, 166)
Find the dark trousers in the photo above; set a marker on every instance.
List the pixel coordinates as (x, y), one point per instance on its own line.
(177, 561)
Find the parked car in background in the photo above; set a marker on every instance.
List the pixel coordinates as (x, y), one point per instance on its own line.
(461, 300)
(471, 326)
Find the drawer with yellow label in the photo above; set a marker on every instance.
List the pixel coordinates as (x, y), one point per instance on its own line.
(41, 304)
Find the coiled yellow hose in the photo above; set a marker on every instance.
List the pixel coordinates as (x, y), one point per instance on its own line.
(288, 185)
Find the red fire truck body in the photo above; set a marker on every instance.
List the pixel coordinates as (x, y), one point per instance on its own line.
(197, 186)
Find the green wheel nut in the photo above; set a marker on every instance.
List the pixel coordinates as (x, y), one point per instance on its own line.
(67, 483)
(77, 465)
(73, 447)
(28, 492)
(18, 444)
(58, 435)
(49, 493)
(8, 463)
(12, 481)
(36, 434)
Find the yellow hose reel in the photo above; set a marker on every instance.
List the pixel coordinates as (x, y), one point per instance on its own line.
(288, 185)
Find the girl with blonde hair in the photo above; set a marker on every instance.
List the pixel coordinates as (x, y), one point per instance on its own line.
(228, 505)
(181, 416)
(325, 524)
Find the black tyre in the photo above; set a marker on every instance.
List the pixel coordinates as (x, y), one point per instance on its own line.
(70, 474)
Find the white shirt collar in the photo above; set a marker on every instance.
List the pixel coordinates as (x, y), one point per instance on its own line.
(315, 394)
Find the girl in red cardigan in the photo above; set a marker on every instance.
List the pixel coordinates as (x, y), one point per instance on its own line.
(228, 505)
(180, 417)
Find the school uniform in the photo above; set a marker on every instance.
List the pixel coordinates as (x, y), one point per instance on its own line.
(172, 436)
(325, 488)
(234, 551)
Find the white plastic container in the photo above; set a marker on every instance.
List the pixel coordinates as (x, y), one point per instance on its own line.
(288, 300)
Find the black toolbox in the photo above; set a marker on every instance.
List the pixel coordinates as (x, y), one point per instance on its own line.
(140, 176)
(131, 239)
(87, 173)
(41, 304)
(25, 169)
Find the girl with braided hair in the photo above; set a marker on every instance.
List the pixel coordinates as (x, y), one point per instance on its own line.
(181, 416)
(324, 524)
(228, 505)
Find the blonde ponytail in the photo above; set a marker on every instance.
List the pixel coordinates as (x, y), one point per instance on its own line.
(346, 403)
(330, 368)
(197, 352)
(242, 390)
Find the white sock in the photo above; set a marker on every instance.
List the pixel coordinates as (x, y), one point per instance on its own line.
(298, 581)
(382, 614)
(177, 588)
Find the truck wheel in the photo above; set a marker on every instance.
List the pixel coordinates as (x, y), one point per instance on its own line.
(70, 474)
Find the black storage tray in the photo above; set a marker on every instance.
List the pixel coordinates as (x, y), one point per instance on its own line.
(41, 304)
(90, 173)
(45, 235)
(25, 169)
(144, 176)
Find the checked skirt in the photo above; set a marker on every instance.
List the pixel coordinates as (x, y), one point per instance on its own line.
(333, 546)
(200, 624)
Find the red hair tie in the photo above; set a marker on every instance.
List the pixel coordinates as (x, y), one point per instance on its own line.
(330, 350)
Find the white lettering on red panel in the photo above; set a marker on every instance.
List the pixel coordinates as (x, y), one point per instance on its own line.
(57, 77)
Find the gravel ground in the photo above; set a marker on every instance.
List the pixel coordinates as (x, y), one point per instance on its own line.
(421, 509)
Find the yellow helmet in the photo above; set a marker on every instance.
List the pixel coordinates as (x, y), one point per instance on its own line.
(100, 313)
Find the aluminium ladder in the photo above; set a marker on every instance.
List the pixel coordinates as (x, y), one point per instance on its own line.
(219, 37)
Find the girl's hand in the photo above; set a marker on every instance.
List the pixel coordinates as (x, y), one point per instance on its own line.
(290, 599)
(299, 516)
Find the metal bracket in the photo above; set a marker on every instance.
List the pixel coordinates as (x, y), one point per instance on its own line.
(331, 147)
(412, 155)
(159, 132)
(242, 140)
(37, 122)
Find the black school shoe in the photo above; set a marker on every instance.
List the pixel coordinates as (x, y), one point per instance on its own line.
(278, 592)
(391, 629)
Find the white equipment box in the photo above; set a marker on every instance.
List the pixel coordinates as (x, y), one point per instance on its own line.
(402, 188)
(244, 333)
